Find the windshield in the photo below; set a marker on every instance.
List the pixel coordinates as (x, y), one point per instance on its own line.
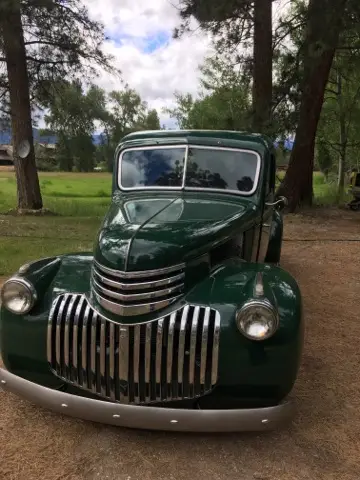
(206, 168)
(156, 167)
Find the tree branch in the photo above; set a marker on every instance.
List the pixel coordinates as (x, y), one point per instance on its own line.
(49, 62)
(3, 110)
(329, 90)
(50, 43)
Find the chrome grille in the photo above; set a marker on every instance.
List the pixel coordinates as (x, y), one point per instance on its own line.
(136, 293)
(172, 358)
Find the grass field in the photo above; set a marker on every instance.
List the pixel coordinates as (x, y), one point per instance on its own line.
(80, 202)
(66, 194)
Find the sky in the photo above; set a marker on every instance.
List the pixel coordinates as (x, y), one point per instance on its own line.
(151, 61)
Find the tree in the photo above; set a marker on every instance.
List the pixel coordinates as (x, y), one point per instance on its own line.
(224, 100)
(152, 121)
(288, 46)
(12, 34)
(235, 23)
(181, 112)
(340, 117)
(72, 116)
(59, 40)
(324, 23)
(222, 109)
(126, 113)
(324, 159)
(262, 70)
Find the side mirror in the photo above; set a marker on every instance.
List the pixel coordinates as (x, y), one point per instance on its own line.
(281, 202)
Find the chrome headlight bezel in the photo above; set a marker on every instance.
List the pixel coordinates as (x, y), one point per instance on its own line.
(242, 315)
(21, 283)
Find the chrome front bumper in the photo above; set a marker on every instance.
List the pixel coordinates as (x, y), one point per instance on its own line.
(149, 418)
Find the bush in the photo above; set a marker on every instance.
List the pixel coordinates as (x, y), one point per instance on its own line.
(46, 164)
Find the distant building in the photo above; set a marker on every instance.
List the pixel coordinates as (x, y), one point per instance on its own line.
(45, 149)
(6, 156)
(41, 149)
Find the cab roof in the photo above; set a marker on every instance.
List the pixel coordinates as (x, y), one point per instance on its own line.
(225, 138)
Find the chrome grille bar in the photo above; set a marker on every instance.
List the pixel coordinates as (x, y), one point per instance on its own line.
(159, 348)
(171, 358)
(68, 319)
(138, 296)
(170, 350)
(76, 339)
(136, 393)
(138, 286)
(112, 359)
(143, 274)
(147, 361)
(93, 348)
(204, 344)
(193, 337)
(215, 349)
(131, 293)
(102, 357)
(181, 351)
(131, 310)
(84, 347)
(123, 359)
(58, 329)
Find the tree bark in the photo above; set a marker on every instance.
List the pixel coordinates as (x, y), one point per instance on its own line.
(28, 189)
(262, 73)
(323, 29)
(342, 141)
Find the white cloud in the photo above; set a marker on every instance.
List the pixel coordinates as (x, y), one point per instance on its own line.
(134, 17)
(132, 25)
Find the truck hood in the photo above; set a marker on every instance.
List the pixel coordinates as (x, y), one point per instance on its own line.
(147, 233)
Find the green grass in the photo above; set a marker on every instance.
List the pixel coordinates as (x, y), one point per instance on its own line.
(13, 255)
(68, 194)
(80, 202)
(325, 194)
(27, 238)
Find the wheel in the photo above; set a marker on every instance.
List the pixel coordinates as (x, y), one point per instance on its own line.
(355, 207)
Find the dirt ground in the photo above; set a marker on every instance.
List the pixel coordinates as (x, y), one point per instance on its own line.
(322, 442)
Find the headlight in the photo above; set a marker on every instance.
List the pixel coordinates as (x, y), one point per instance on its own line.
(18, 296)
(257, 320)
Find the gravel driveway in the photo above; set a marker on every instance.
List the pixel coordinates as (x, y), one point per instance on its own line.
(322, 442)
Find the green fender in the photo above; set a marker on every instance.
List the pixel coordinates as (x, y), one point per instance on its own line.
(269, 366)
(23, 338)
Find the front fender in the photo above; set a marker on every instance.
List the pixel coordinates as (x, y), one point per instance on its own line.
(23, 338)
(268, 366)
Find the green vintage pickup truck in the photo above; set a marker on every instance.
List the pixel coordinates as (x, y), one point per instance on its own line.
(180, 318)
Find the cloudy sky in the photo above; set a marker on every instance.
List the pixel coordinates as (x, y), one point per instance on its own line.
(151, 62)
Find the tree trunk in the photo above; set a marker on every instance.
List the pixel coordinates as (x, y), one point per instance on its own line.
(262, 73)
(342, 141)
(323, 29)
(28, 189)
(341, 176)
